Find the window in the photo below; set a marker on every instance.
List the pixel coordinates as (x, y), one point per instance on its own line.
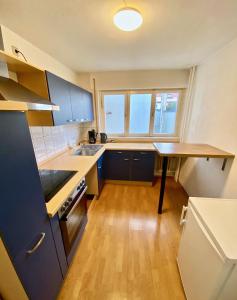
(140, 112)
(114, 107)
(165, 112)
(143, 113)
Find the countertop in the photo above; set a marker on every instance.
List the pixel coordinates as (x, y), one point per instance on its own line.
(81, 164)
(218, 216)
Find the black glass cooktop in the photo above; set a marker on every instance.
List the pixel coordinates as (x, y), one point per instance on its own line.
(53, 180)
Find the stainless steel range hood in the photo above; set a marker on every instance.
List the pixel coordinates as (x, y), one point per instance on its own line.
(11, 90)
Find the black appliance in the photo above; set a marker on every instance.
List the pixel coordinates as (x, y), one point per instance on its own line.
(103, 138)
(73, 212)
(53, 180)
(73, 219)
(92, 136)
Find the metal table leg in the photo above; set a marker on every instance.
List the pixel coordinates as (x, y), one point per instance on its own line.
(162, 186)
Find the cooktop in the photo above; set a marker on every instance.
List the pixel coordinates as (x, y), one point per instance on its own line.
(53, 180)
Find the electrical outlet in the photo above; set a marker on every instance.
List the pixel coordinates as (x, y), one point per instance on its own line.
(15, 51)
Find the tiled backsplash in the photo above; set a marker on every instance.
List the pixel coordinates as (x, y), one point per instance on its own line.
(49, 141)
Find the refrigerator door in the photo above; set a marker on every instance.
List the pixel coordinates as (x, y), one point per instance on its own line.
(202, 268)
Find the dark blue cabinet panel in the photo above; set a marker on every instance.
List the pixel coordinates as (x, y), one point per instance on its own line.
(23, 209)
(59, 244)
(129, 165)
(40, 272)
(117, 165)
(76, 104)
(23, 215)
(88, 113)
(59, 92)
(100, 171)
(142, 166)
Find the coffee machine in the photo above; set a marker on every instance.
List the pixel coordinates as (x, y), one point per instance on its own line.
(103, 138)
(92, 134)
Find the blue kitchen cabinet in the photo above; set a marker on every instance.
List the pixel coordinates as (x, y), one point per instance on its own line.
(59, 93)
(117, 165)
(23, 217)
(100, 173)
(142, 166)
(129, 165)
(76, 104)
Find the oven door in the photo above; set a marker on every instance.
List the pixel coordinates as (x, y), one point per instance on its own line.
(73, 223)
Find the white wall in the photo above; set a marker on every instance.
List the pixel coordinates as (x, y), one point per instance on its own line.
(214, 121)
(141, 79)
(36, 56)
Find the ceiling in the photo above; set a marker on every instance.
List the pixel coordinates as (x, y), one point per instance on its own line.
(81, 34)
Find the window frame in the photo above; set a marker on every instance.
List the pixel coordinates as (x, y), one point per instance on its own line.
(151, 132)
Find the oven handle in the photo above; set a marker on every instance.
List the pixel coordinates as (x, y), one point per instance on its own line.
(65, 218)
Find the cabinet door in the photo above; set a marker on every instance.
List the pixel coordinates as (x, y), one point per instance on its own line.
(39, 271)
(59, 92)
(117, 165)
(23, 208)
(88, 106)
(142, 166)
(76, 95)
(100, 172)
(23, 215)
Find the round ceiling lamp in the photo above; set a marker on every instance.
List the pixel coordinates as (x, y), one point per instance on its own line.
(128, 19)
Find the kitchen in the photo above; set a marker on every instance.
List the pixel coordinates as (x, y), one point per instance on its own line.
(118, 167)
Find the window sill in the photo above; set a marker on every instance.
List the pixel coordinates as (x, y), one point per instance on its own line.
(146, 139)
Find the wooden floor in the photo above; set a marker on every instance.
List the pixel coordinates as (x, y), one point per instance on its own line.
(128, 251)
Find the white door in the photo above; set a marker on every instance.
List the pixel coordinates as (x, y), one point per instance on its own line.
(202, 267)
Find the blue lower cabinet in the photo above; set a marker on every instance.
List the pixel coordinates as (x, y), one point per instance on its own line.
(39, 271)
(142, 166)
(129, 165)
(100, 172)
(117, 165)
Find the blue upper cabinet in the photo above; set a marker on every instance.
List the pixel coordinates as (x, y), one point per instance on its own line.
(24, 223)
(76, 104)
(59, 93)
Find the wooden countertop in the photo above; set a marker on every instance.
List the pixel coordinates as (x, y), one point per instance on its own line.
(190, 150)
(81, 164)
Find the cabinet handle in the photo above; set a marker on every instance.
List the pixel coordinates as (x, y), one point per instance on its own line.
(126, 158)
(38, 244)
(143, 153)
(136, 159)
(119, 152)
(183, 215)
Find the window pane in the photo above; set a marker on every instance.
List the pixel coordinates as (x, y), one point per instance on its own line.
(140, 109)
(165, 112)
(114, 107)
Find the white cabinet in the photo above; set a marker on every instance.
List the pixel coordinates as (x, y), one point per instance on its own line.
(206, 272)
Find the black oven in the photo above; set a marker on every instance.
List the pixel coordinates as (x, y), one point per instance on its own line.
(73, 219)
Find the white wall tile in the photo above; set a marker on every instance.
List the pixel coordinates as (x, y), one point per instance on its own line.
(48, 141)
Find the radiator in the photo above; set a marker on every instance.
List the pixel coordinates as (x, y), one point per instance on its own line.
(172, 166)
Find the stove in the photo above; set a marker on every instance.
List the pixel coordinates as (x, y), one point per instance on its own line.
(53, 180)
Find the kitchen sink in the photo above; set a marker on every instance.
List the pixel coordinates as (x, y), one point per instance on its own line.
(88, 150)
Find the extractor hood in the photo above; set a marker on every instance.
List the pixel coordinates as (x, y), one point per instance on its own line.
(11, 90)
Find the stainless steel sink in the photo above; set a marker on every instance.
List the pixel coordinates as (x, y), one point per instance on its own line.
(88, 150)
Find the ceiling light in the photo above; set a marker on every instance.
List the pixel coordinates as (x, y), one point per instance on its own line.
(128, 19)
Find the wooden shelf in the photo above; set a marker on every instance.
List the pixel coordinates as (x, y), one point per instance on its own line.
(16, 65)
